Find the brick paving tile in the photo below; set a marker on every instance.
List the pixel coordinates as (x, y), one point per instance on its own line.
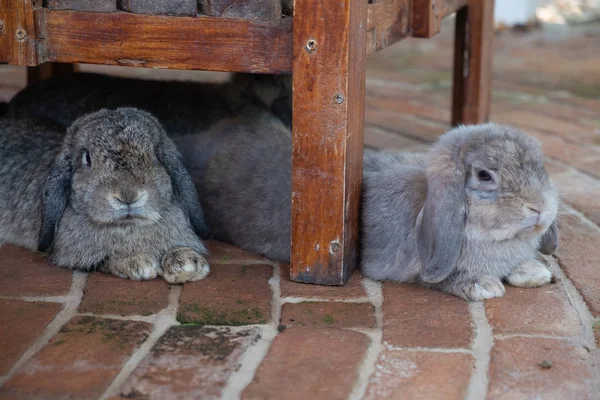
(419, 317)
(382, 138)
(324, 314)
(581, 192)
(539, 122)
(536, 368)
(224, 253)
(405, 125)
(305, 363)
(21, 323)
(25, 273)
(579, 254)
(410, 107)
(190, 362)
(79, 362)
(544, 310)
(591, 167)
(351, 290)
(420, 375)
(107, 294)
(230, 295)
(560, 149)
(553, 168)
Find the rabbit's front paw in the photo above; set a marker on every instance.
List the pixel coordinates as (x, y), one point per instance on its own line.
(184, 264)
(481, 288)
(531, 273)
(138, 267)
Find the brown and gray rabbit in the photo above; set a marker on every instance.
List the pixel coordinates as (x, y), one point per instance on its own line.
(112, 194)
(181, 107)
(471, 212)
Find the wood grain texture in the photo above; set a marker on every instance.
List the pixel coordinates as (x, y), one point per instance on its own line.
(153, 41)
(328, 120)
(427, 15)
(473, 54)
(244, 9)
(388, 21)
(19, 32)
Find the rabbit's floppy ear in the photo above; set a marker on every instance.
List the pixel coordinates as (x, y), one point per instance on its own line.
(183, 187)
(441, 222)
(56, 196)
(549, 242)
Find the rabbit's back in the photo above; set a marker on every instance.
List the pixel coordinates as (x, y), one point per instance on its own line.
(27, 150)
(242, 170)
(182, 107)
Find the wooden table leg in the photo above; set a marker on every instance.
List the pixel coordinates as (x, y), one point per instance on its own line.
(328, 120)
(48, 70)
(473, 55)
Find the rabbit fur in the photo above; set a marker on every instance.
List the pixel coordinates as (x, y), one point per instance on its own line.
(426, 218)
(111, 194)
(181, 107)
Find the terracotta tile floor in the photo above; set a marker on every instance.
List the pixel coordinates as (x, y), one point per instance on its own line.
(248, 331)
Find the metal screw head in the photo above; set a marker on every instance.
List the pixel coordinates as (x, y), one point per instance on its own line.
(334, 247)
(1, 25)
(338, 98)
(311, 45)
(21, 34)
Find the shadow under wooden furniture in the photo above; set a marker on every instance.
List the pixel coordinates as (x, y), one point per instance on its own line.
(324, 46)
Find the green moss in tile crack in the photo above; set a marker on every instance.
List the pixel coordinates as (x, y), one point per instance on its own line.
(329, 319)
(194, 314)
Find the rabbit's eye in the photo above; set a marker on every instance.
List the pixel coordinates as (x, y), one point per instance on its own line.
(86, 159)
(484, 176)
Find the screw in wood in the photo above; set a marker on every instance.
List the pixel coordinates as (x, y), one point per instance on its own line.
(334, 247)
(21, 34)
(338, 98)
(311, 45)
(1, 25)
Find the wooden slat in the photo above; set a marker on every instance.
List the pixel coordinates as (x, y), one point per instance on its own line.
(427, 15)
(328, 119)
(153, 41)
(18, 32)
(388, 21)
(473, 55)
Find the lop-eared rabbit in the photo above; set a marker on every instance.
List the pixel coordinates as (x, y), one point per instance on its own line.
(111, 194)
(471, 212)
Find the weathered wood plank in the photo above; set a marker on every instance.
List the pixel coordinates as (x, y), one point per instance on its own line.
(18, 32)
(473, 54)
(153, 41)
(328, 119)
(244, 9)
(388, 21)
(427, 15)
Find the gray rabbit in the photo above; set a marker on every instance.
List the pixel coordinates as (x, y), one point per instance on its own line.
(181, 107)
(469, 213)
(112, 194)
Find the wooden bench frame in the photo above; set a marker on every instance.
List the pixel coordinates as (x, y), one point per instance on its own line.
(325, 48)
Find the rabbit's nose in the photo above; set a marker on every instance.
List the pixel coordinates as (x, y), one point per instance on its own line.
(131, 198)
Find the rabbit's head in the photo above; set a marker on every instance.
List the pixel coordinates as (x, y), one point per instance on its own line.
(118, 168)
(484, 183)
